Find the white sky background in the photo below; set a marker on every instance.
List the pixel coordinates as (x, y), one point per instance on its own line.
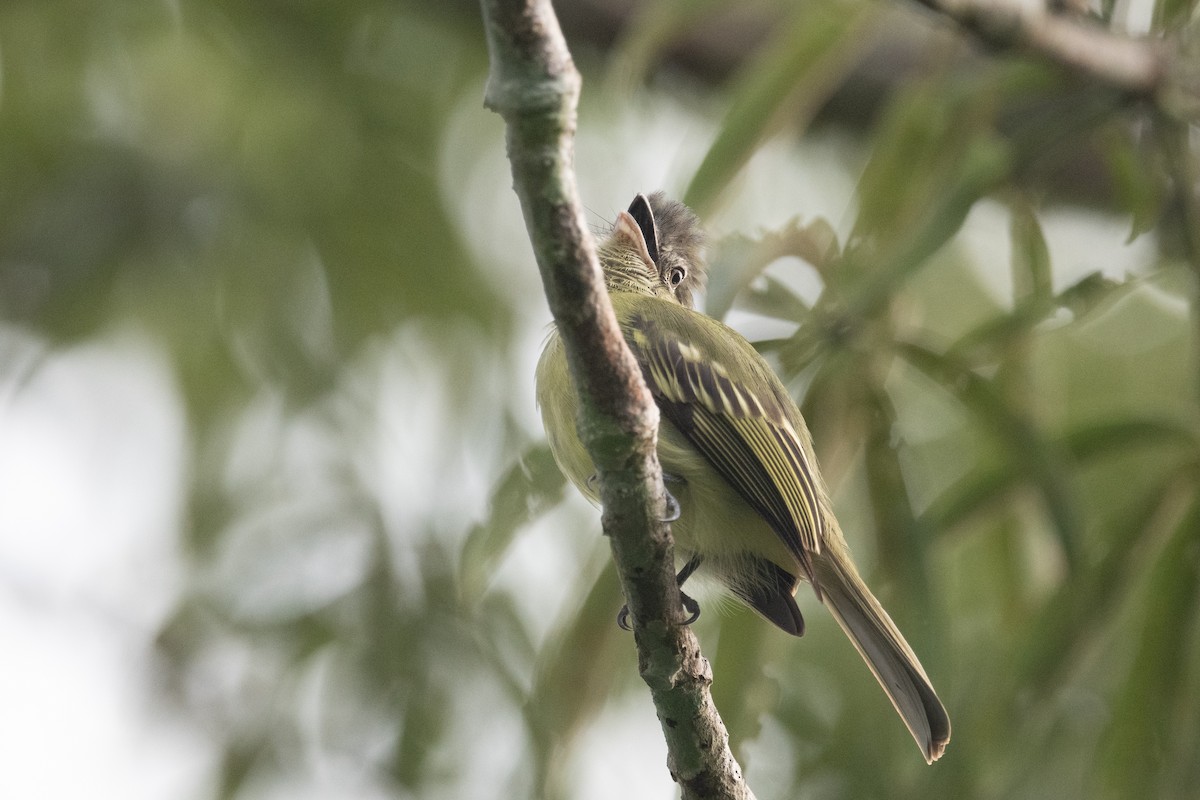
(94, 464)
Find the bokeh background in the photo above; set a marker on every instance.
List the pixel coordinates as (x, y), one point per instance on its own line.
(276, 514)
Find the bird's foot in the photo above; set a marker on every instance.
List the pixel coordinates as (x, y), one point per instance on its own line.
(674, 511)
(689, 605)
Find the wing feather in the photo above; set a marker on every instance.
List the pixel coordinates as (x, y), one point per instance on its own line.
(748, 439)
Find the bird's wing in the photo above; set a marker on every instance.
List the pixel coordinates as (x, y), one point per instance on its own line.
(746, 436)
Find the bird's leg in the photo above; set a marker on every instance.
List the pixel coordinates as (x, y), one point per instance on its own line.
(689, 604)
(693, 563)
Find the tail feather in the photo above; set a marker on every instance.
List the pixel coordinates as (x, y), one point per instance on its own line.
(882, 646)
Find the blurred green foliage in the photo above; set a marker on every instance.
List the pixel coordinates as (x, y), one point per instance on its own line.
(386, 580)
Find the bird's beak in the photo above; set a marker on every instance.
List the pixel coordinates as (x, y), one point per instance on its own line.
(627, 228)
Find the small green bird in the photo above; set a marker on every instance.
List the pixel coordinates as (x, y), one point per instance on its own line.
(737, 457)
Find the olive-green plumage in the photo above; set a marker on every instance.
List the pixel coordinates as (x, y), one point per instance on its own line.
(736, 455)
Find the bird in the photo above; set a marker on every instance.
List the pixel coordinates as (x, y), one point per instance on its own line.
(750, 508)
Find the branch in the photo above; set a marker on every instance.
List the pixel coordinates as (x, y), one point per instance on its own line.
(534, 86)
(1139, 66)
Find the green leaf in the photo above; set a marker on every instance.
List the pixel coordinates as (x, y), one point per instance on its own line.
(531, 486)
(1042, 462)
(1140, 740)
(876, 269)
(1107, 438)
(974, 493)
(902, 538)
(1171, 14)
(744, 693)
(1031, 257)
(999, 334)
(1081, 611)
(775, 300)
(1088, 293)
(790, 78)
(738, 260)
(1139, 190)
(653, 29)
(936, 135)
(580, 663)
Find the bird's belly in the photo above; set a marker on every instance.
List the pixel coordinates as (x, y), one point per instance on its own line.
(715, 521)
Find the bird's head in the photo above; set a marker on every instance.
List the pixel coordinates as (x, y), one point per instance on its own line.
(655, 248)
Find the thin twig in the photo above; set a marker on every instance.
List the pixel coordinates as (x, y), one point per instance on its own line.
(534, 85)
(1130, 64)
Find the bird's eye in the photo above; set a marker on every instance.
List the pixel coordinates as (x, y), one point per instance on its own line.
(676, 276)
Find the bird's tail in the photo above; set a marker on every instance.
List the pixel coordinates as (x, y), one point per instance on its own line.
(886, 652)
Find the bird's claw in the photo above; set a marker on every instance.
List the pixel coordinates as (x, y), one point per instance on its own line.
(623, 618)
(689, 605)
(673, 509)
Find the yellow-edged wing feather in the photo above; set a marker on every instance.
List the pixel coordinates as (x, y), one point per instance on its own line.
(720, 394)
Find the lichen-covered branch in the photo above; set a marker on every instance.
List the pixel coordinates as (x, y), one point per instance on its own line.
(534, 85)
